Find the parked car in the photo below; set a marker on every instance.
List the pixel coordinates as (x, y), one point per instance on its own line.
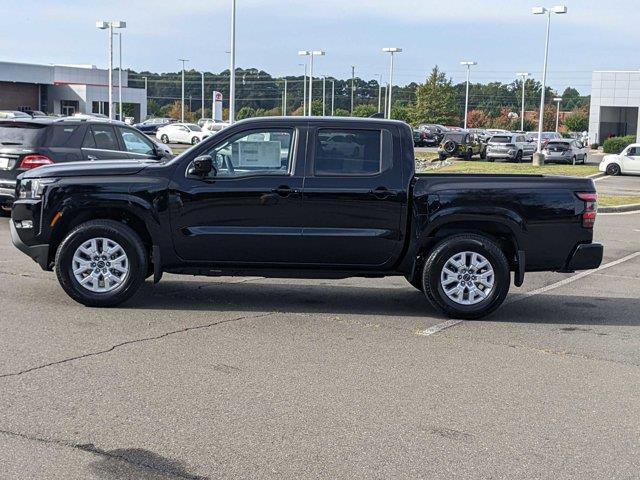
(214, 125)
(181, 133)
(496, 131)
(565, 150)
(423, 138)
(626, 162)
(13, 114)
(236, 204)
(512, 147)
(35, 113)
(460, 144)
(483, 135)
(32, 142)
(435, 132)
(546, 136)
(151, 125)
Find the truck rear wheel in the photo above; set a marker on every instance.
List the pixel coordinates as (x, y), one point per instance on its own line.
(101, 263)
(466, 276)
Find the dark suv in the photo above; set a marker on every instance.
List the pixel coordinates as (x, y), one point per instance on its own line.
(27, 143)
(461, 144)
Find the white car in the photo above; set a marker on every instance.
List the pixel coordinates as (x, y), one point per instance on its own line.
(182, 133)
(627, 161)
(214, 125)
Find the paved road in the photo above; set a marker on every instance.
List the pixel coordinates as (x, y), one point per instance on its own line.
(254, 378)
(627, 185)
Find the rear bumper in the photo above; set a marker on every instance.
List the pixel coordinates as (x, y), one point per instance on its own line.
(586, 256)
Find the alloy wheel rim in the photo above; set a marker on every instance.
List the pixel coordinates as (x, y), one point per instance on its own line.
(467, 278)
(100, 265)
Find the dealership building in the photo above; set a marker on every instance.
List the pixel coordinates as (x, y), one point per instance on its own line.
(615, 102)
(65, 89)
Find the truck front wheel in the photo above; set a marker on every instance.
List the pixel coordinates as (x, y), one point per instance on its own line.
(101, 263)
(466, 276)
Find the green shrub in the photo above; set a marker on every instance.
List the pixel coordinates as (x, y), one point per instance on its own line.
(594, 146)
(617, 144)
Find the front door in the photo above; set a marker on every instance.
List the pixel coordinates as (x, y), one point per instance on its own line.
(248, 210)
(631, 161)
(353, 197)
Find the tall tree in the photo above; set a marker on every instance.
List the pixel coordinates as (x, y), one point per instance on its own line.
(435, 100)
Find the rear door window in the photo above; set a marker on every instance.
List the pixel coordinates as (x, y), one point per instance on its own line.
(60, 135)
(102, 137)
(352, 152)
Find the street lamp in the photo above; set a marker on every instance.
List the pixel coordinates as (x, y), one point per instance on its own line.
(232, 67)
(466, 100)
(391, 50)
(524, 76)
(183, 60)
(311, 54)
(110, 26)
(557, 100)
(304, 89)
(202, 107)
(558, 9)
(119, 75)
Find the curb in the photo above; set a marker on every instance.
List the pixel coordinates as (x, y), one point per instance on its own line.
(633, 207)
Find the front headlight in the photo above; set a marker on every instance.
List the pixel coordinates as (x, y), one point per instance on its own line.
(33, 189)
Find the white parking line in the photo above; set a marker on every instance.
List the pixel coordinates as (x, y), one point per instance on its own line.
(572, 279)
(439, 327)
(635, 212)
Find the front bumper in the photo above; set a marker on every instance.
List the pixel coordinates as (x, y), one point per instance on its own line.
(39, 253)
(586, 256)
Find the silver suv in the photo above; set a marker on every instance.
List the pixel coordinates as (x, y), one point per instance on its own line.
(509, 146)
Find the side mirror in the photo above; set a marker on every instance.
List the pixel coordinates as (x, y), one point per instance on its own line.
(203, 165)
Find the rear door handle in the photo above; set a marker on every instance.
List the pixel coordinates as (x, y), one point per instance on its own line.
(382, 192)
(284, 190)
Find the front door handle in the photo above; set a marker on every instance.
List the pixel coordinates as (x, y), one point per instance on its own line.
(91, 157)
(284, 190)
(382, 193)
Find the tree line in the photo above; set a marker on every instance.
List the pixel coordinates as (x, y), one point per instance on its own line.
(437, 100)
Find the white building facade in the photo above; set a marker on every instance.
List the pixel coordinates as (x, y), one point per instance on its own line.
(615, 102)
(66, 89)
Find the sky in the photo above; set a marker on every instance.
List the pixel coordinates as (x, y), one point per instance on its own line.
(501, 35)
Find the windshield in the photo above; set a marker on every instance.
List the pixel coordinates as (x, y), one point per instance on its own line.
(194, 128)
(20, 133)
(500, 139)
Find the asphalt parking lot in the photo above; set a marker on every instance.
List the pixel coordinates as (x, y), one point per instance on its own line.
(253, 378)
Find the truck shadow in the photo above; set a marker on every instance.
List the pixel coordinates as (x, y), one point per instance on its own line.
(399, 301)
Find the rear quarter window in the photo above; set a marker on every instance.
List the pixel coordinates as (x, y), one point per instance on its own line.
(62, 135)
(24, 134)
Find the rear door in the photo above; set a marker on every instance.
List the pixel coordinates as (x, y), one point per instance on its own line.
(352, 197)
(101, 142)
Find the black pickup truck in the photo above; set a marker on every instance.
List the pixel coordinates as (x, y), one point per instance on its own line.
(302, 197)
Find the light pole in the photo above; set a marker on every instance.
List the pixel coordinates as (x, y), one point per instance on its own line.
(304, 91)
(524, 76)
(183, 60)
(557, 100)
(466, 98)
(202, 107)
(380, 94)
(284, 99)
(324, 95)
(333, 97)
(110, 26)
(119, 34)
(311, 54)
(232, 67)
(392, 51)
(353, 86)
(558, 9)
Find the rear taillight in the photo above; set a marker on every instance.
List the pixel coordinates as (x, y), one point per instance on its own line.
(34, 161)
(590, 211)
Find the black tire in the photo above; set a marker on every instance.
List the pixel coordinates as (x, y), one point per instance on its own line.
(164, 138)
(5, 211)
(489, 159)
(446, 249)
(195, 141)
(613, 169)
(468, 155)
(574, 160)
(483, 154)
(450, 147)
(442, 157)
(110, 229)
(518, 158)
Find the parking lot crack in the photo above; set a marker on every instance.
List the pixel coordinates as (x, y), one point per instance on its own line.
(132, 342)
(92, 449)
